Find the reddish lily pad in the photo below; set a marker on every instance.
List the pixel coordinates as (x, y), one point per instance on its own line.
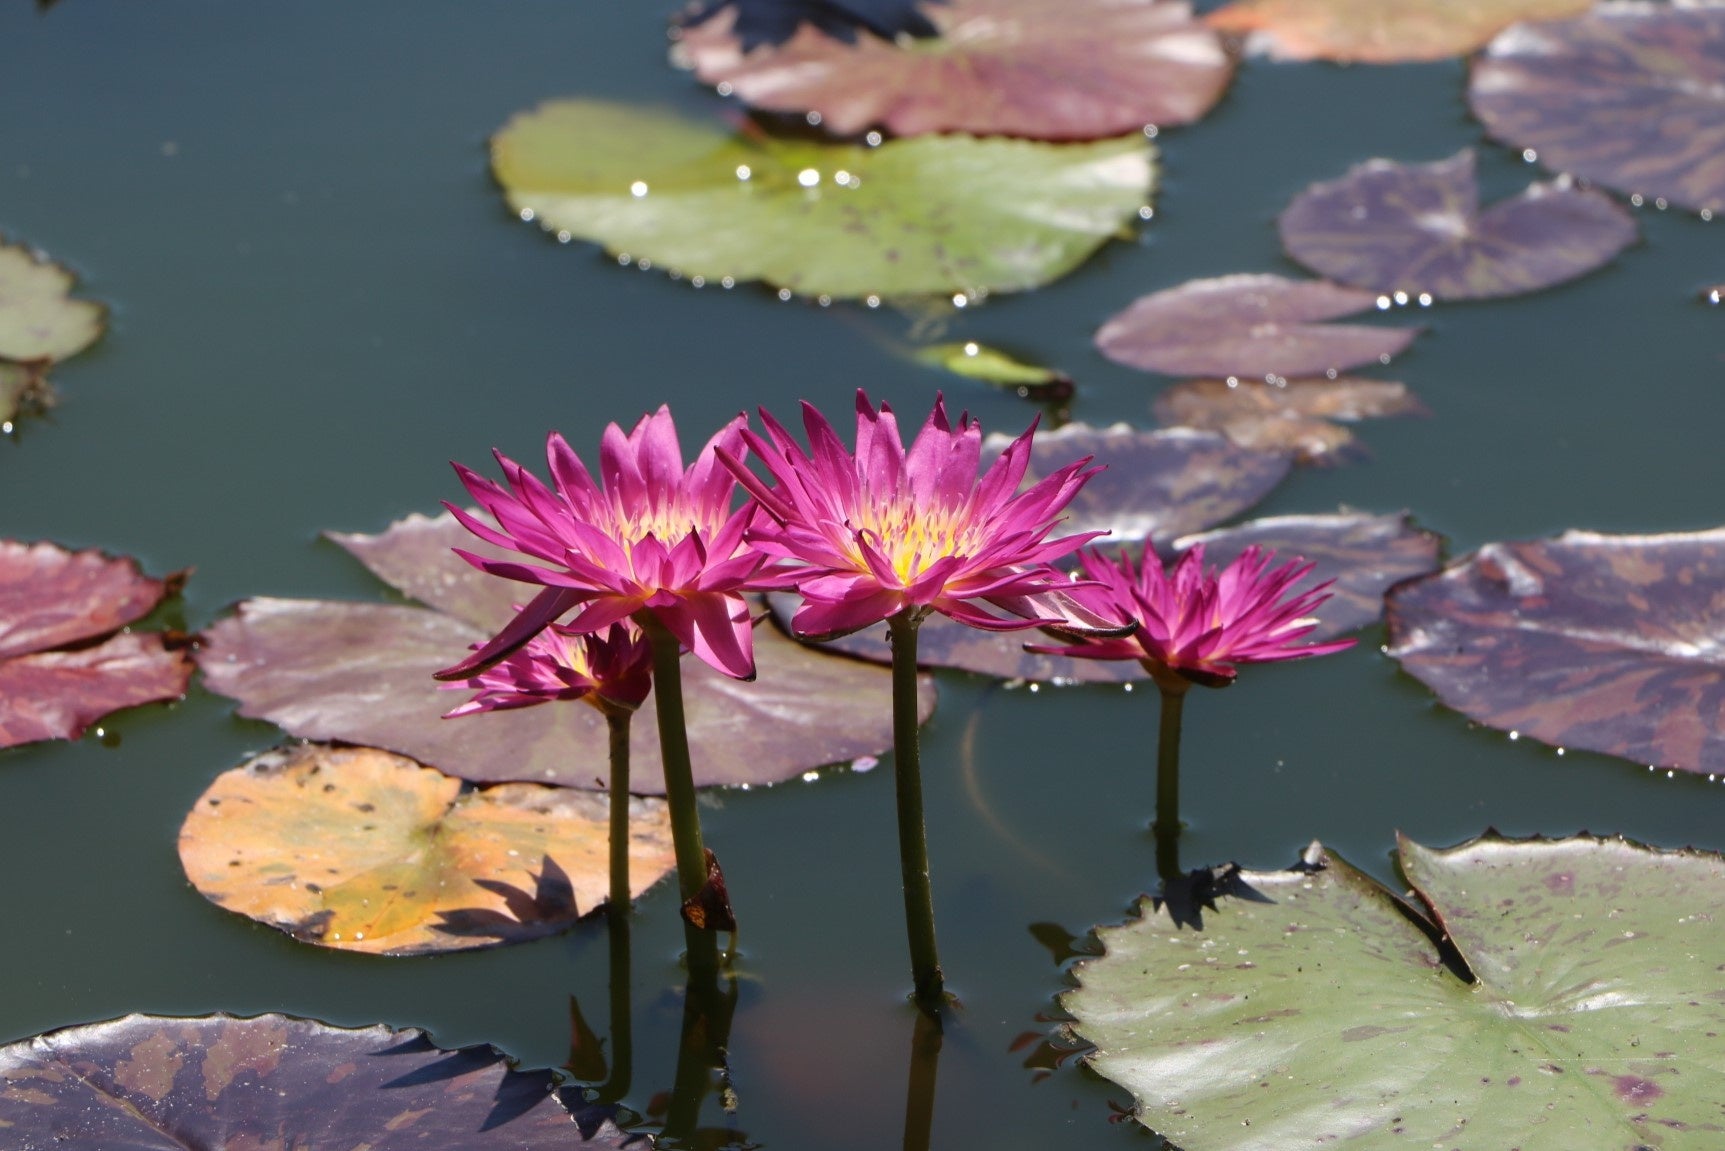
(361, 673)
(1288, 416)
(1316, 1008)
(1609, 643)
(1046, 69)
(361, 850)
(1626, 96)
(1373, 32)
(54, 681)
(774, 21)
(157, 1083)
(1249, 325)
(1417, 228)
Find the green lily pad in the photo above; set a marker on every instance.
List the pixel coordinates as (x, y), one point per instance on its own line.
(1045, 69)
(1313, 1007)
(1627, 96)
(161, 1084)
(1373, 32)
(38, 318)
(361, 673)
(931, 215)
(1604, 642)
(1418, 229)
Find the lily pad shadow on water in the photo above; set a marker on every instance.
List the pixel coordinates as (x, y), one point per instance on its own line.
(1324, 1009)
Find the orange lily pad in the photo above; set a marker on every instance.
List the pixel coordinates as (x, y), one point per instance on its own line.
(1295, 416)
(1375, 32)
(362, 850)
(1045, 69)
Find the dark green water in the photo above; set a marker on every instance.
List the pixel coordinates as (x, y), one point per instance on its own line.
(319, 299)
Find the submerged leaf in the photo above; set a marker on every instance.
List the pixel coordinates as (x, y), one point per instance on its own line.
(976, 361)
(1249, 325)
(1373, 32)
(910, 217)
(273, 1081)
(38, 318)
(1626, 96)
(1046, 69)
(1313, 1007)
(1290, 416)
(1609, 643)
(51, 598)
(358, 849)
(1417, 228)
(361, 673)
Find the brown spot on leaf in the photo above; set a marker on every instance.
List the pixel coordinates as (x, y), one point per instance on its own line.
(1634, 1089)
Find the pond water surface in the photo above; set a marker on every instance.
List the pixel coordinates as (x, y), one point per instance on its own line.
(319, 299)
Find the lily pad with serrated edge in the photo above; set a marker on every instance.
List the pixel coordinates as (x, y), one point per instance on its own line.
(361, 673)
(931, 215)
(1373, 32)
(1626, 96)
(1313, 1007)
(1417, 228)
(39, 319)
(362, 850)
(1044, 69)
(1603, 642)
(150, 1081)
(1249, 325)
(58, 674)
(1290, 416)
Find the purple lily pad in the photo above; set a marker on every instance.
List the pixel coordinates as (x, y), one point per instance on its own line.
(1626, 96)
(1365, 555)
(1609, 643)
(1291, 416)
(148, 1081)
(54, 682)
(1249, 325)
(1046, 69)
(361, 673)
(1417, 228)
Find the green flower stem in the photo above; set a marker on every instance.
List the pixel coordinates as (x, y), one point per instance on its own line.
(1167, 825)
(912, 839)
(617, 722)
(691, 853)
(616, 1088)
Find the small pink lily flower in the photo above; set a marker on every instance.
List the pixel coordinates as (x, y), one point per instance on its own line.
(653, 541)
(1198, 624)
(883, 531)
(612, 669)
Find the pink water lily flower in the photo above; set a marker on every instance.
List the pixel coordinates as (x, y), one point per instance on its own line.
(651, 541)
(881, 531)
(609, 669)
(1198, 624)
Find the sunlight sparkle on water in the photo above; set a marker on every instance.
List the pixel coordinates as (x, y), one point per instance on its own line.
(743, 172)
(808, 177)
(784, 295)
(638, 189)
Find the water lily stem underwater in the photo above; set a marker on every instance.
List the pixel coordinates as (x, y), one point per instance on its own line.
(1166, 827)
(925, 1043)
(617, 725)
(616, 1086)
(680, 791)
(912, 838)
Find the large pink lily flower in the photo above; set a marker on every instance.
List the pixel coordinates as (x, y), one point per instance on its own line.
(883, 531)
(651, 541)
(1198, 624)
(611, 669)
